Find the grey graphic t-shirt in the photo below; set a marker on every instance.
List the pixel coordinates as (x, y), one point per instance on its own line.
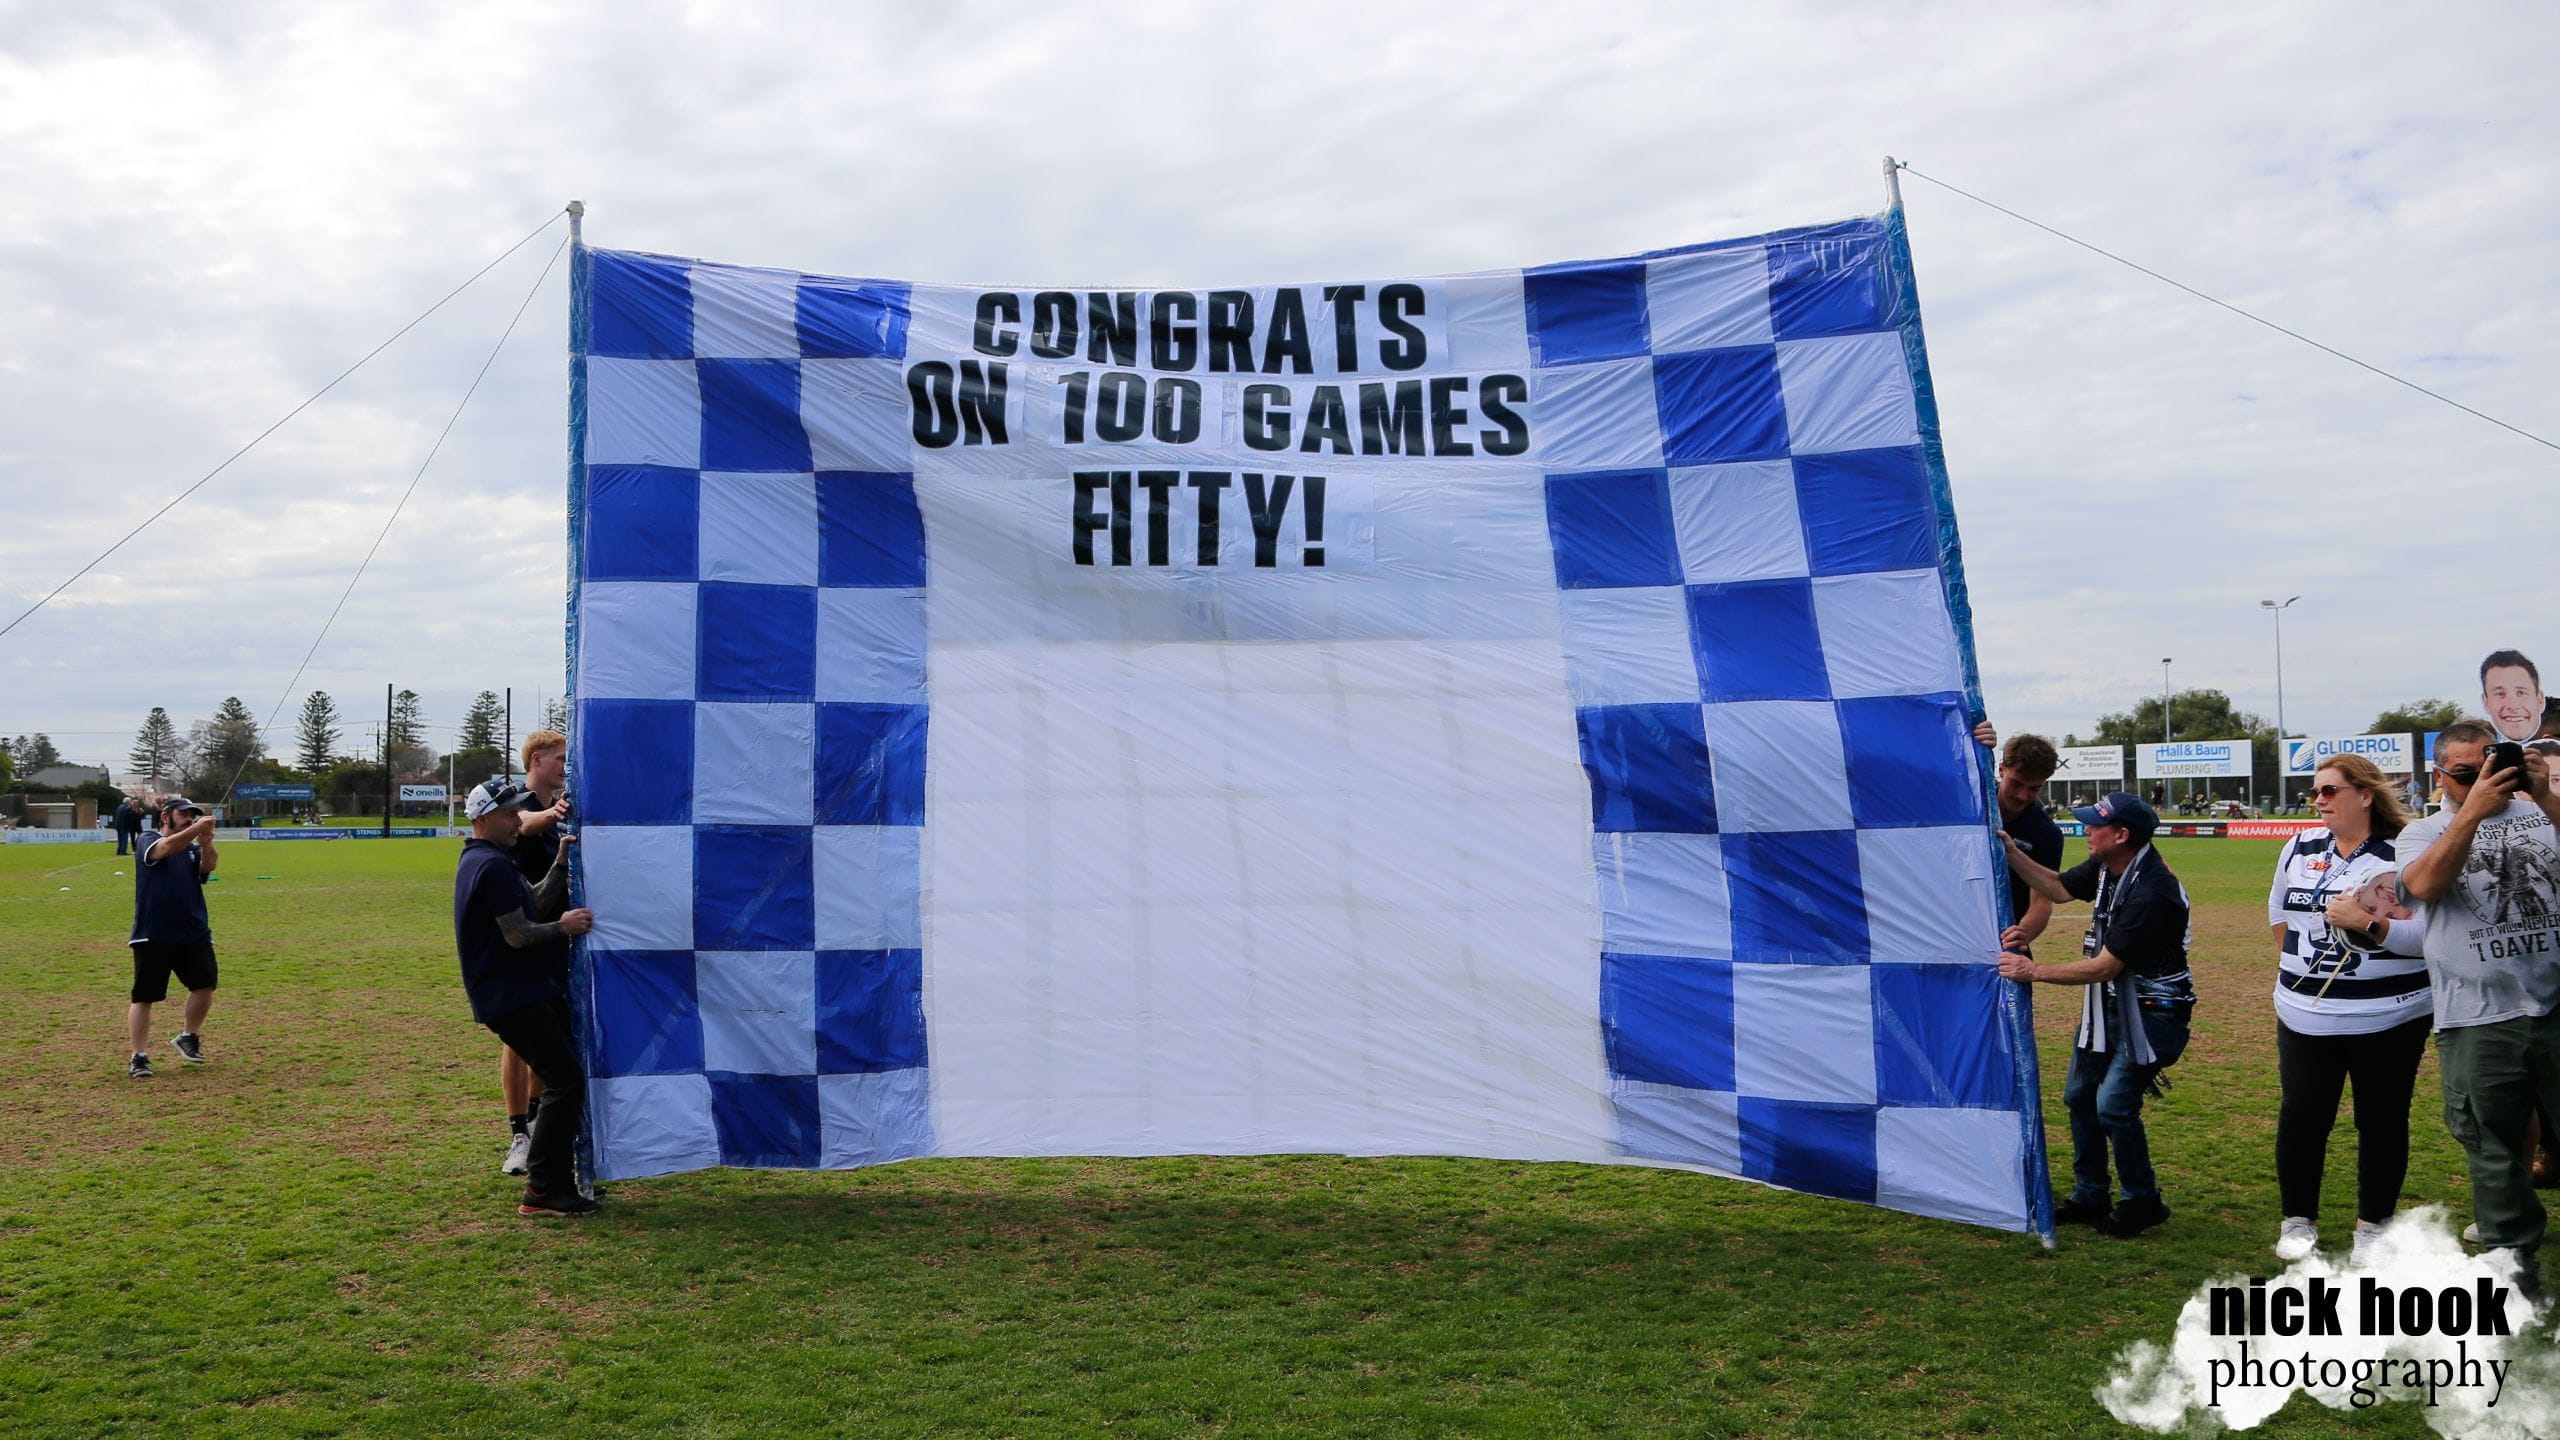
(2493, 938)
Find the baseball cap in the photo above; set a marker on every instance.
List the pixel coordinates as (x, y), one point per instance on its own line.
(2121, 808)
(178, 802)
(495, 793)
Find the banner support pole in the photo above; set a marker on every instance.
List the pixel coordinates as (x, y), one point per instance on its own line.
(1892, 188)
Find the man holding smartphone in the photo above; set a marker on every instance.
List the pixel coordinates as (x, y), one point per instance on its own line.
(2489, 869)
(171, 932)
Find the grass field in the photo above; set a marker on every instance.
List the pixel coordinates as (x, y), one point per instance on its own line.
(309, 1236)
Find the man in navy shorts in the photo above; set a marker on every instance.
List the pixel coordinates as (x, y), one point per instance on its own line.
(171, 932)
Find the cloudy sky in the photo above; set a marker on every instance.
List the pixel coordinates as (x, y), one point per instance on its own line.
(214, 209)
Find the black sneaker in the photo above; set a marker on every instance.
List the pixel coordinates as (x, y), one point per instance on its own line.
(139, 1068)
(189, 1048)
(2080, 1212)
(2135, 1216)
(566, 1202)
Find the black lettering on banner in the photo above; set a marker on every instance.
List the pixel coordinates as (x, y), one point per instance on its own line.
(1231, 331)
(936, 421)
(1159, 487)
(1328, 419)
(1284, 335)
(1120, 406)
(982, 386)
(1266, 417)
(1177, 419)
(994, 307)
(1410, 349)
(1495, 397)
(1113, 319)
(1089, 487)
(1266, 510)
(1209, 484)
(1053, 325)
(1311, 487)
(1447, 414)
(1346, 325)
(1079, 385)
(1391, 429)
(1173, 341)
(1119, 517)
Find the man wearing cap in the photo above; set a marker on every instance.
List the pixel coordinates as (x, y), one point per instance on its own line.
(171, 931)
(2489, 868)
(512, 938)
(2135, 1011)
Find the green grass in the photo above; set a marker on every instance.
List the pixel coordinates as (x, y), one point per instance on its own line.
(310, 1236)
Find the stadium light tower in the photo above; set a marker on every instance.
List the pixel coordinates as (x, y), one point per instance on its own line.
(2284, 771)
(2164, 715)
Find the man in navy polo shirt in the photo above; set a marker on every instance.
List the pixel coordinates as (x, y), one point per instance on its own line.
(2026, 763)
(171, 932)
(512, 938)
(2138, 1001)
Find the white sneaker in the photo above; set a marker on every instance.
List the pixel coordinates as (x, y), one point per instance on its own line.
(519, 1154)
(2471, 1233)
(2368, 1238)
(2297, 1238)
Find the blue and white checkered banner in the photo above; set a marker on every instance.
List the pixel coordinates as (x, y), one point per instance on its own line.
(1518, 714)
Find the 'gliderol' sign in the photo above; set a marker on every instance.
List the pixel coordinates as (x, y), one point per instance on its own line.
(2193, 760)
(2391, 754)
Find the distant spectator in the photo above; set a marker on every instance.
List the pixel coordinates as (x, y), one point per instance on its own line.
(127, 824)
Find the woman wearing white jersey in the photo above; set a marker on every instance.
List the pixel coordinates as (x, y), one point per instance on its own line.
(2344, 1012)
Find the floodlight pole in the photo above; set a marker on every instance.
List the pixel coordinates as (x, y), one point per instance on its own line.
(386, 762)
(2164, 715)
(2284, 768)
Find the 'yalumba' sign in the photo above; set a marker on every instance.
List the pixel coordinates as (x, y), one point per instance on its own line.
(2193, 760)
(2391, 754)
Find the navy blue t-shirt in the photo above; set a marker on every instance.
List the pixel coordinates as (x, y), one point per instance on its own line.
(168, 898)
(2035, 832)
(497, 976)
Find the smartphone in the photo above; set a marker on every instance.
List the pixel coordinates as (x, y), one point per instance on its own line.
(2506, 755)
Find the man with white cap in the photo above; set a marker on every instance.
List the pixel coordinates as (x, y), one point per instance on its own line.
(511, 937)
(171, 931)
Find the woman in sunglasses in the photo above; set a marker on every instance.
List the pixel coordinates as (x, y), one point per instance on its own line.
(2345, 1014)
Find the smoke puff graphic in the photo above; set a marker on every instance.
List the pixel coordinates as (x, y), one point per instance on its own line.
(2512, 1387)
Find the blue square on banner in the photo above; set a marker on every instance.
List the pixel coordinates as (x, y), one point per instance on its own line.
(1797, 897)
(1648, 768)
(635, 762)
(766, 1120)
(1908, 761)
(1612, 528)
(751, 415)
(756, 642)
(645, 1015)
(1867, 510)
(753, 888)
(1588, 311)
(853, 319)
(871, 764)
(1831, 283)
(1935, 1043)
(1758, 640)
(870, 1011)
(1720, 405)
(870, 532)
(644, 522)
(643, 307)
(1668, 1019)
(1806, 1145)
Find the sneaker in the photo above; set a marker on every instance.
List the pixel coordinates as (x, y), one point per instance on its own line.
(189, 1048)
(2080, 1212)
(139, 1068)
(2135, 1216)
(519, 1154)
(2368, 1239)
(2298, 1237)
(2471, 1233)
(567, 1202)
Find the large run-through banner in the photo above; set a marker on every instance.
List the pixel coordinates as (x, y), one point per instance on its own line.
(1521, 714)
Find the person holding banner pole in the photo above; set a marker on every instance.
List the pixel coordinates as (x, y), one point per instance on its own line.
(2026, 763)
(537, 846)
(2352, 1001)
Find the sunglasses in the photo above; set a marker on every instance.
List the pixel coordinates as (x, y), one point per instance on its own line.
(2329, 792)
(2460, 774)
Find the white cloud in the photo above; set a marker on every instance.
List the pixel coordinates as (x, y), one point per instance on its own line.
(215, 209)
